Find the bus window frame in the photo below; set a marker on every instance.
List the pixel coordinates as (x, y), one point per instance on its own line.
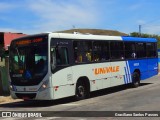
(72, 54)
(154, 50)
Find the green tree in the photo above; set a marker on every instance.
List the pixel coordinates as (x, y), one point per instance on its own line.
(2, 53)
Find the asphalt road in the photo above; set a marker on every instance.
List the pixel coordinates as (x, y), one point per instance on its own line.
(121, 98)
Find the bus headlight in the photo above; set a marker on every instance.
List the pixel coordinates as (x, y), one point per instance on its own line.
(44, 85)
(11, 87)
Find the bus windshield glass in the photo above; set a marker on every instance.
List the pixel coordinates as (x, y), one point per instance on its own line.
(28, 60)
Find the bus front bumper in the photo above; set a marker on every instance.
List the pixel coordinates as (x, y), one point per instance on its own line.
(38, 95)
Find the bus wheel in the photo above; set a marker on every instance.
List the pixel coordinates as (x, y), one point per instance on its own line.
(81, 91)
(135, 80)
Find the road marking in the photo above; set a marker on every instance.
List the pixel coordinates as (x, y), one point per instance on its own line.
(71, 104)
(48, 118)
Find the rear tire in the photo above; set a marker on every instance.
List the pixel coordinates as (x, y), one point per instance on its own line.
(82, 91)
(135, 80)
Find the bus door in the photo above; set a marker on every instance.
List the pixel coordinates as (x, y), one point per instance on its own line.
(61, 53)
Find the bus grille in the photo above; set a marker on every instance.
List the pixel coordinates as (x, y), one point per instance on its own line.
(26, 95)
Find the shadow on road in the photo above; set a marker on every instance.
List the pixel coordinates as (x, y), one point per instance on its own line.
(36, 103)
(44, 103)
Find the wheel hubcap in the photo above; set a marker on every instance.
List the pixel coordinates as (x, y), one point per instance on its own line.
(81, 91)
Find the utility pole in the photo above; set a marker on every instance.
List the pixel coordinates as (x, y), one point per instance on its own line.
(140, 30)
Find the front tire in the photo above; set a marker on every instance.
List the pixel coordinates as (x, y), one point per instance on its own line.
(81, 91)
(135, 80)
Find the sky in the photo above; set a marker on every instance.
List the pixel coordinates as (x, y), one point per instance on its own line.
(37, 16)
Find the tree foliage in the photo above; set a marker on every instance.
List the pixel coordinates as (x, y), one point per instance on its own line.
(136, 34)
(2, 52)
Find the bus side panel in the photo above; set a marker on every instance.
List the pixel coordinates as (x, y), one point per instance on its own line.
(63, 91)
(89, 71)
(103, 75)
(62, 83)
(152, 67)
(119, 77)
(142, 66)
(100, 79)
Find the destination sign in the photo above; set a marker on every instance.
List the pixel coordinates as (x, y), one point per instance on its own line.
(24, 42)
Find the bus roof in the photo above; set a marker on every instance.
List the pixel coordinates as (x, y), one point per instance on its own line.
(93, 37)
(84, 36)
(101, 37)
(138, 39)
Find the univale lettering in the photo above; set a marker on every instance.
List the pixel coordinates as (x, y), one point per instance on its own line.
(106, 70)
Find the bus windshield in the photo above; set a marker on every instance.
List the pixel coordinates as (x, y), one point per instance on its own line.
(28, 61)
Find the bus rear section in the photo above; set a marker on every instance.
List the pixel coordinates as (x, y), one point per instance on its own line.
(142, 56)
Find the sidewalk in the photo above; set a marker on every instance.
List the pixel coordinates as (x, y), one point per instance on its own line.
(7, 99)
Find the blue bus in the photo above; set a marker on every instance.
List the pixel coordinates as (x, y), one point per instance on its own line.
(51, 66)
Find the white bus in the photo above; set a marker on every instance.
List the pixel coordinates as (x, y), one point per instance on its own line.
(50, 66)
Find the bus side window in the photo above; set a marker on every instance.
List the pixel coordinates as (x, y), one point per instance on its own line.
(100, 51)
(97, 48)
(53, 58)
(62, 56)
(105, 51)
(82, 51)
(117, 50)
(77, 55)
(151, 48)
(141, 50)
(130, 50)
